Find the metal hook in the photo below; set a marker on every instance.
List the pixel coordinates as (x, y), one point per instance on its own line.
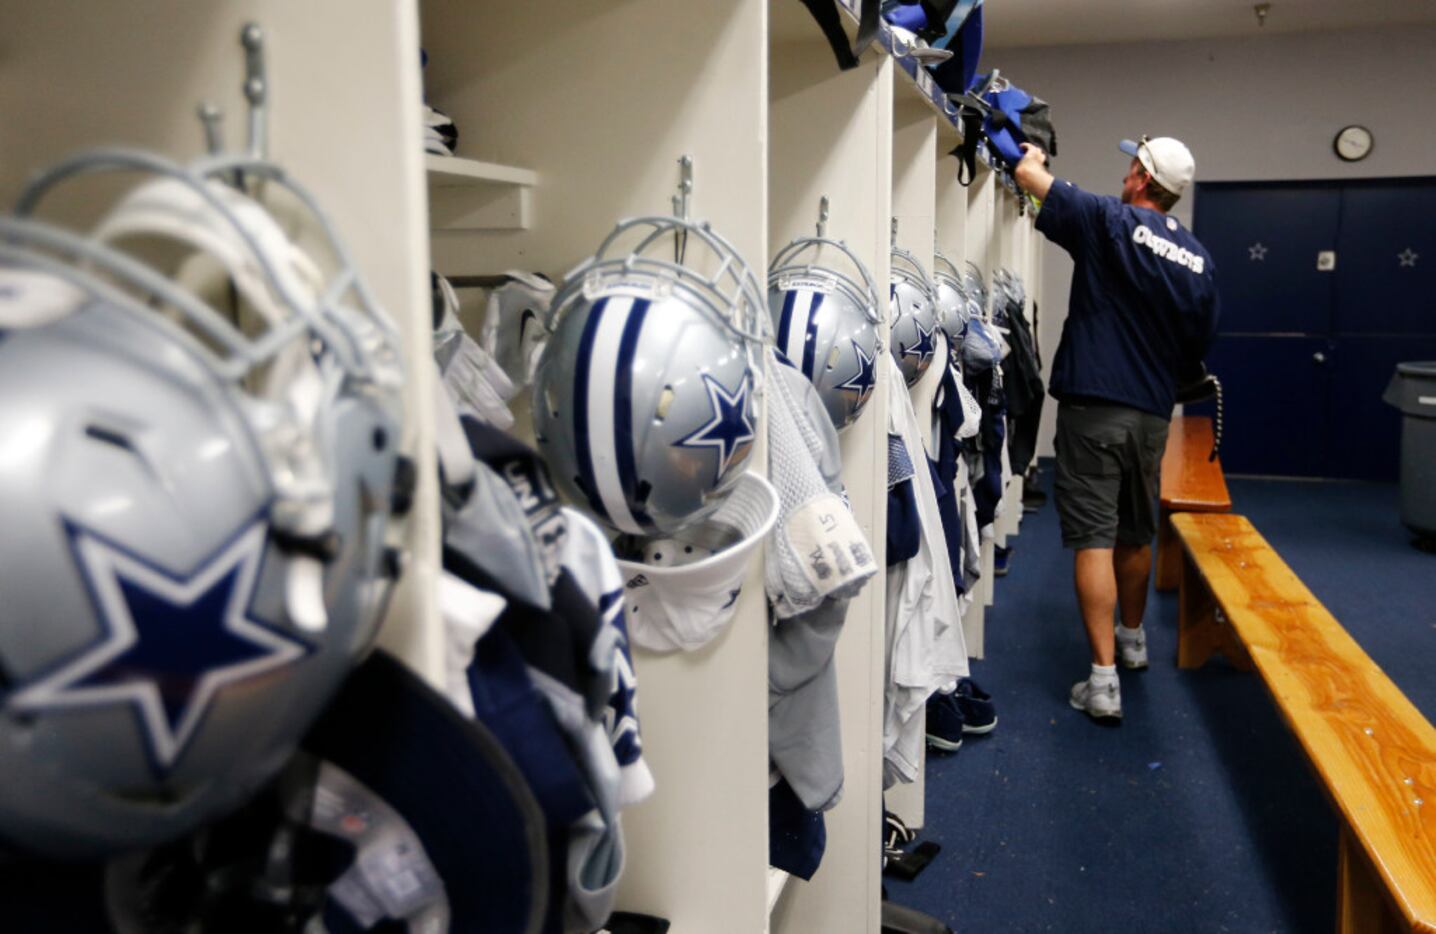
(685, 187)
(823, 216)
(680, 207)
(211, 119)
(894, 232)
(256, 89)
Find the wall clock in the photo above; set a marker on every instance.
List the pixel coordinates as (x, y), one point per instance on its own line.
(1353, 143)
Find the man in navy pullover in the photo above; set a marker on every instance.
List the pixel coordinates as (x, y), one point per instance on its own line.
(1142, 313)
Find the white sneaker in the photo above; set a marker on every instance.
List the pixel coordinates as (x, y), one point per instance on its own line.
(1099, 703)
(1132, 650)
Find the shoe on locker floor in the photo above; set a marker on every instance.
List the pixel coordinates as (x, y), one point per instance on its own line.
(979, 715)
(896, 835)
(944, 722)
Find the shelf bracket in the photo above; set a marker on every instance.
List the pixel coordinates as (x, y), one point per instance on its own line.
(822, 217)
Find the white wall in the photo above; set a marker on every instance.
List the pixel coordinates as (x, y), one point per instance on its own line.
(1260, 108)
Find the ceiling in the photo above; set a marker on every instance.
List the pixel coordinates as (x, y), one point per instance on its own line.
(1015, 23)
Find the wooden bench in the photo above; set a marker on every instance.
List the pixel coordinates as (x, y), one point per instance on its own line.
(1372, 749)
(1190, 483)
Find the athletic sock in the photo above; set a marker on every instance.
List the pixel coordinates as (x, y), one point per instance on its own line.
(1128, 635)
(1103, 675)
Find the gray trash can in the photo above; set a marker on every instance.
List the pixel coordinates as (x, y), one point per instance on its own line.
(1413, 391)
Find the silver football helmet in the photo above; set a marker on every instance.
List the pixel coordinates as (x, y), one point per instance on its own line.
(1009, 295)
(827, 321)
(196, 504)
(952, 307)
(644, 400)
(914, 319)
(976, 289)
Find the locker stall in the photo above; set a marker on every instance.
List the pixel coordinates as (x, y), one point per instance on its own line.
(952, 222)
(829, 137)
(914, 203)
(604, 134)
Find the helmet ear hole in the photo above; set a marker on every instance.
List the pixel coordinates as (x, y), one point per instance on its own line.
(665, 402)
(549, 403)
(106, 435)
(642, 492)
(833, 355)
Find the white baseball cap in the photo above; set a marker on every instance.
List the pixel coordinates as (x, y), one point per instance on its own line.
(1167, 160)
(685, 589)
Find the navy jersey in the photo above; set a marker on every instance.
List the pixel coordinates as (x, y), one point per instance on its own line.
(1144, 300)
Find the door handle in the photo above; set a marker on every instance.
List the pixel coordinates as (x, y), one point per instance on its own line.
(1319, 357)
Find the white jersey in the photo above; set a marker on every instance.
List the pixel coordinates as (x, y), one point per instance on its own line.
(513, 329)
(586, 555)
(925, 645)
(962, 482)
(477, 384)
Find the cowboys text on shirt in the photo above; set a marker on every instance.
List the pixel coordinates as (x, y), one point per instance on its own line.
(1168, 249)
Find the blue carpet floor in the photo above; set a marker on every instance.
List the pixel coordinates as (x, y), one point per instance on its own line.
(1198, 814)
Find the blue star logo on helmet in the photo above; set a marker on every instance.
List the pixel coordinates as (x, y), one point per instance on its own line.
(923, 348)
(863, 381)
(171, 644)
(729, 428)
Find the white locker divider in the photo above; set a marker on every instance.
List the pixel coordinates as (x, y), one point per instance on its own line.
(830, 135)
(981, 221)
(914, 174)
(952, 241)
(1021, 262)
(1008, 256)
(600, 102)
(982, 236)
(343, 120)
(950, 199)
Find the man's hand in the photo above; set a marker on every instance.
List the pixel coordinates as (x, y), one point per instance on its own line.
(1031, 172)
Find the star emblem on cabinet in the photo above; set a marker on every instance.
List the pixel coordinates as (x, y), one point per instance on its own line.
(1408, 257)
(1257, 252)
